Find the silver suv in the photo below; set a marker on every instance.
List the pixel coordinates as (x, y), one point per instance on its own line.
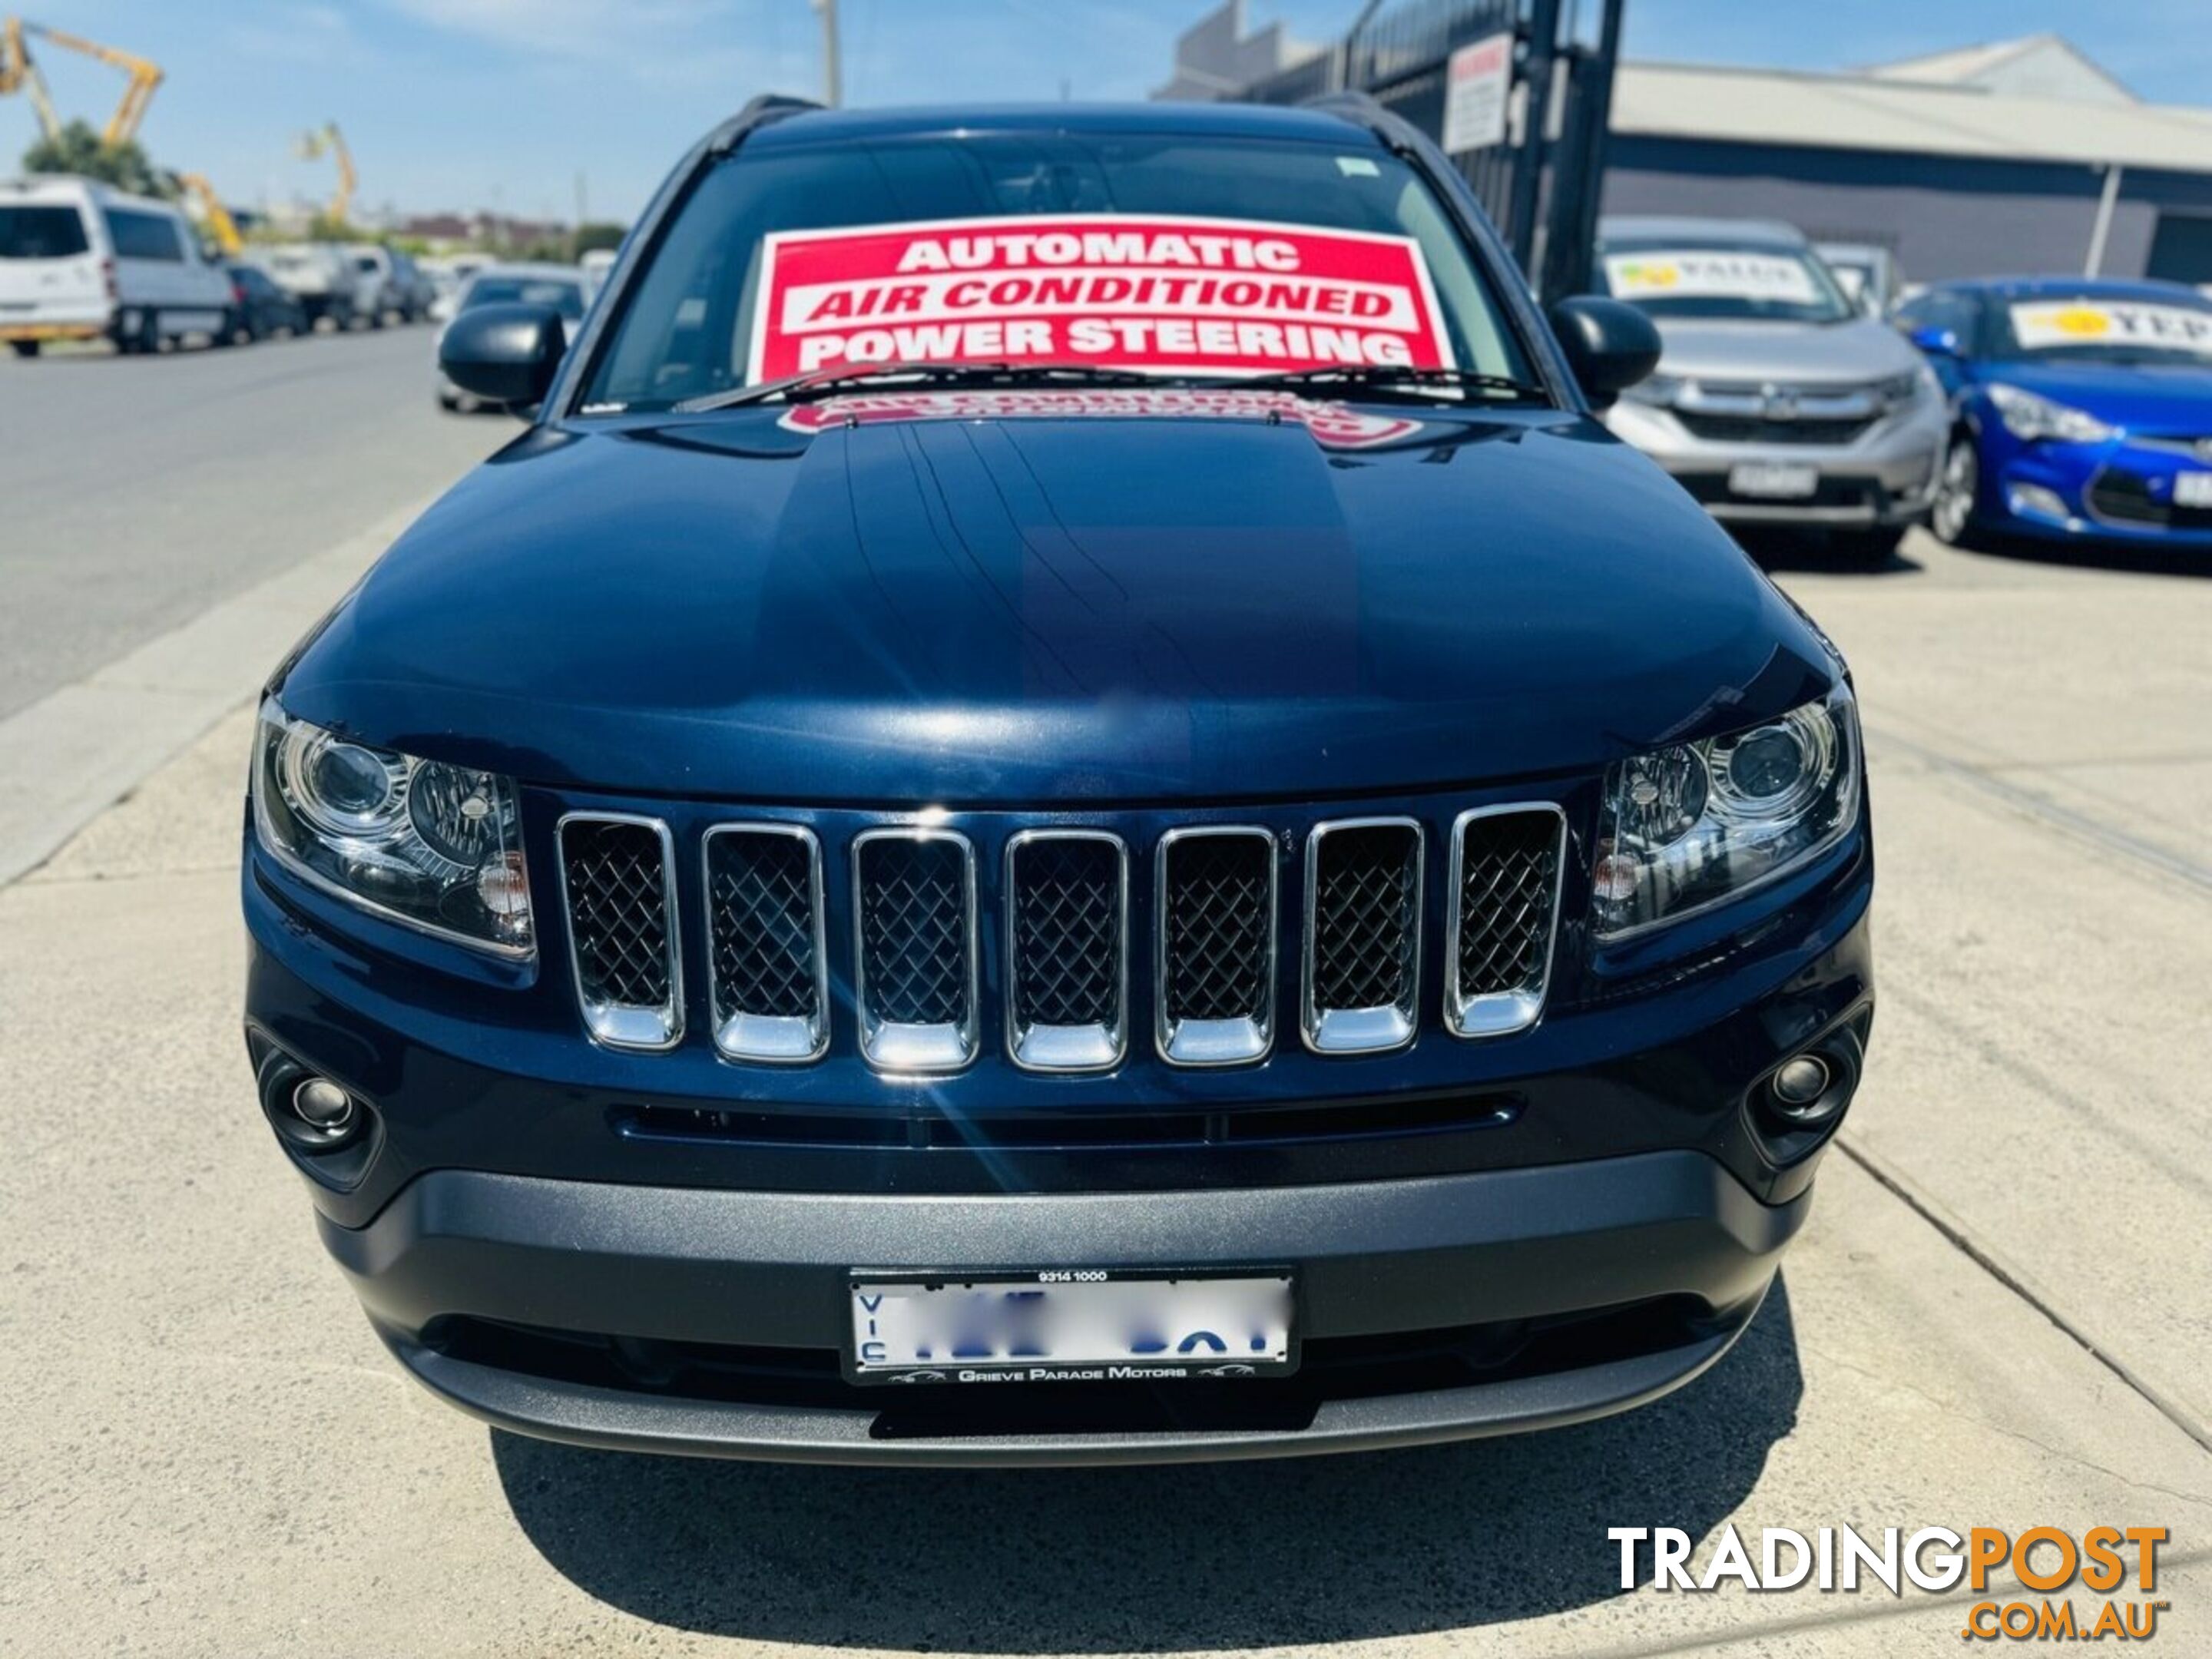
(1777, 400)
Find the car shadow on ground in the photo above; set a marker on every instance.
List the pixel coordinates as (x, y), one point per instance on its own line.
(2134, 559)
(1779, 550)
(1128, 1560)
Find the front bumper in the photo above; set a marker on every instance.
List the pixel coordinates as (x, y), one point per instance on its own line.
(1887, 475)
(2121, 491)
(1483, 1265)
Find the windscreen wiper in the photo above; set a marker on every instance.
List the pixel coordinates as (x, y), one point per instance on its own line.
(844, 377)
(1387, 378)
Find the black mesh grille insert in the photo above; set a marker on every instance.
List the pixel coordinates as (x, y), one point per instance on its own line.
(914, 931)
(1218, 917)
(617, 912)
(1366, 889)
(1067, 900)
(1509, 877)
(760, 900)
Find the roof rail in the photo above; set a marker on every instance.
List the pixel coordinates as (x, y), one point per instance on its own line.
(759, 112)
(1363, 110)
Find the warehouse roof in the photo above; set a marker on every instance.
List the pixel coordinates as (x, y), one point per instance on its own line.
(1869, 111)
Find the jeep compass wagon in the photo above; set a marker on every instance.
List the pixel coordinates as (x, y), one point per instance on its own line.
(1063, 805)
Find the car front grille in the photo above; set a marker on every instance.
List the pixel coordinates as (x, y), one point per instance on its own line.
(771, 998)
(1068, 924)
(915, 905)
(1362, 934)
(1509, 862)
(1067, 900)
(2125, 497)
(1755, 430)
(617, 882)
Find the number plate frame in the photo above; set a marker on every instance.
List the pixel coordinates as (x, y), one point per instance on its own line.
(1166, 1367)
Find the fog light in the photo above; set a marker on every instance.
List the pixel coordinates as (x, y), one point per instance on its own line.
(1802, 1082)
(322, 1105)
(2035, 498)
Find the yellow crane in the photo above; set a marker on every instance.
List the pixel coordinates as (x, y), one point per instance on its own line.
(142, 76)
(214, 215)
(19, 73)
(331, 140)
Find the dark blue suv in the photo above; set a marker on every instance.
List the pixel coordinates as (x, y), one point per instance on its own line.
(1063, 805)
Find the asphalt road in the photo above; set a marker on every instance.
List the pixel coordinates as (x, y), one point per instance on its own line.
(2000, 1314)
(139, 491)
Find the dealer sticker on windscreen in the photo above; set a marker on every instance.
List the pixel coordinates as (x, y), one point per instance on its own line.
(1156, 294)
(1071, 1324)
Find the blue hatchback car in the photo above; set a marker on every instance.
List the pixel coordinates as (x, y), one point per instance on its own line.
(2083, 409)
(1063, 805)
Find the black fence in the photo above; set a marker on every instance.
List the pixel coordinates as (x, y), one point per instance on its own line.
(1540, 184)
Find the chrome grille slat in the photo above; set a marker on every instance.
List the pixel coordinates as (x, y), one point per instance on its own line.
(914, 922)
(1215, 951)
(769, 981)
(618, 892)
(1362, 934)
(1067, 899)
(1507, 864)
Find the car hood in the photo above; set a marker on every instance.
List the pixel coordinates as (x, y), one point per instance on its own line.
(1817, 353)
(1050, 607)
(2142, 397)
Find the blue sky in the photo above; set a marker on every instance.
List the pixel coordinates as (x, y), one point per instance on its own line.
(501, 103)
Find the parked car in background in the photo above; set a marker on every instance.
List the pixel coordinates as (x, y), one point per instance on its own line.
(595, 264)
(80, 260)
(259, 309)
(1134, 885)
(1868, 275)
(2082, 410)
(411, 288)
(383, 295)
(560, 288)
(1777, 400)
(325, 281)
(448, 275)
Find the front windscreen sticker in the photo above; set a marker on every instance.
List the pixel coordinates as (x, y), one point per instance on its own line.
(1213, 296)
(1333, 425)
(1691, 273)
(2048, 324)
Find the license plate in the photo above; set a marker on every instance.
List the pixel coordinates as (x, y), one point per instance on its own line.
(2192, 489)
(1090, 1325)
(1773, 480)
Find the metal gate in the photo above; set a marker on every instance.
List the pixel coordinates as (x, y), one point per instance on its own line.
(1540, 184)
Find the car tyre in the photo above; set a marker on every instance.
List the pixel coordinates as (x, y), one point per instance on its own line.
(24, 348)
(1958, 494)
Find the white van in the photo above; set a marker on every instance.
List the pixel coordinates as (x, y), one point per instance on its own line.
(82, 261)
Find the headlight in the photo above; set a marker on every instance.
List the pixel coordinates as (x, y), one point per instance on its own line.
(1658, 390)
(2028, 417)
(1686, 827)
(435, 846)
(1901, 390)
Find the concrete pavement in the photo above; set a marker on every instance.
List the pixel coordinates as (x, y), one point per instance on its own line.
(209, 1452)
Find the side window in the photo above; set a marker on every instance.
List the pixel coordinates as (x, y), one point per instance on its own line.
(144, 235)
(1952, 312)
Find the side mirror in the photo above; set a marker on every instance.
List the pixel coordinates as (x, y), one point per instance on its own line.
(504, 354)
(1935, 341)
(1609, 345)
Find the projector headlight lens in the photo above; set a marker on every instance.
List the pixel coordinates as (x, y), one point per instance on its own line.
(436, 846)
(1686, 827)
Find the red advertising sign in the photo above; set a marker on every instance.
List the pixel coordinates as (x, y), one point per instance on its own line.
(1207, 296)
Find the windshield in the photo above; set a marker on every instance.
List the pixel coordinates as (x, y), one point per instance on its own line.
(2105, 328)
(1669, 279)
(566, 298)
(1184, 257)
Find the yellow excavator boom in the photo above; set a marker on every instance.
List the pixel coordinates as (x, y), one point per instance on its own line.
(331, 140)
(213, 214)
(19, 73)
(144, 75)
